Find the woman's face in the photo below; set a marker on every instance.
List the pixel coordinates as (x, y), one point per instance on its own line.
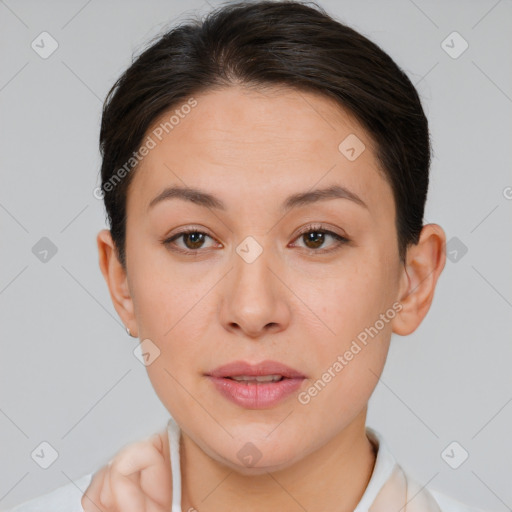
(252, 288)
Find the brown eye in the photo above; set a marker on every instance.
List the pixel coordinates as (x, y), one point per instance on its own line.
(314, 239)
(193, 240)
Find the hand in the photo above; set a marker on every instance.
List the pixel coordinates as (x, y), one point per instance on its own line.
(137, 479)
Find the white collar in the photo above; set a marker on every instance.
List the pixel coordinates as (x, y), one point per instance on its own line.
(384, 464)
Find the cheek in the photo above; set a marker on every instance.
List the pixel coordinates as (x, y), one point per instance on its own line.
(349, 362)
(172, 311)
(171, 315)
(349, 299)
(163, 292)
(355, 310)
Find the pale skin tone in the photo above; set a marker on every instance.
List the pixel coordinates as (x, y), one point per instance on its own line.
(251, 150)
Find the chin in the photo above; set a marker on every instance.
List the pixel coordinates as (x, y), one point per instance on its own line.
(256, 456)
(262, 467)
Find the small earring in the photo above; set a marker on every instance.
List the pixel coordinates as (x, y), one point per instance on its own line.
(129, 333)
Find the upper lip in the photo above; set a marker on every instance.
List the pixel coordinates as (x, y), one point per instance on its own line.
(238, 368)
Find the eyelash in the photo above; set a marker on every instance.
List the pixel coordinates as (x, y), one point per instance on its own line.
(314, 228)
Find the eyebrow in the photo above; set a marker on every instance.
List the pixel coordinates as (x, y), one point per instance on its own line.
(208, 200)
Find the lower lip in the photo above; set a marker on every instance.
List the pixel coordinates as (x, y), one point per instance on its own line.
(261, 395)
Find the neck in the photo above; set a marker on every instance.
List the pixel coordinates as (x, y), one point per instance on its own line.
(332, 478)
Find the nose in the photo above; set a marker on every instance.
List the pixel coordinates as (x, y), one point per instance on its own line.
(254, 298)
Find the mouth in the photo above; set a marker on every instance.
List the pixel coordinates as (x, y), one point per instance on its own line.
(269, 370)
(260, 386)
(250, 379)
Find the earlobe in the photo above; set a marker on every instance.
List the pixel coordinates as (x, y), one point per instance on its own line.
(116, 279)
(424, 263)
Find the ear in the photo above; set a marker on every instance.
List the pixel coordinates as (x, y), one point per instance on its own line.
(424, 263)
(116, 279)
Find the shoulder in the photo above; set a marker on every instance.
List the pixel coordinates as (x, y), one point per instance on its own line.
(66, 498)
(392, 483)
(431, 500)
(449, 504)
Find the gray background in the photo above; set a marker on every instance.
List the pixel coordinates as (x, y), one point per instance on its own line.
(68, 375)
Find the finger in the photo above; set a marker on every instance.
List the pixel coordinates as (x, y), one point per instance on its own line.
(106, 495)
(124, 479)
(156, 479)
(126, 492)
(140, 473)
(91, 497)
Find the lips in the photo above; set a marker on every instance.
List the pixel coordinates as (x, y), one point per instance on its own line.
(260, 386)
(263, 369)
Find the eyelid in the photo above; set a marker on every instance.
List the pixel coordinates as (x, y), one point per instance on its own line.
(188, 229)
(339, 240)
(168, 240)
(320, 227)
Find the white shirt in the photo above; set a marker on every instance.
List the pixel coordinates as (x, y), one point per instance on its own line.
(389, 487)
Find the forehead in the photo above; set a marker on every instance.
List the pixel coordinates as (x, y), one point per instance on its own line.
(265, 142)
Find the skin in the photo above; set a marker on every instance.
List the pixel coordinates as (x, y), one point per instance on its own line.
(252, 149)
